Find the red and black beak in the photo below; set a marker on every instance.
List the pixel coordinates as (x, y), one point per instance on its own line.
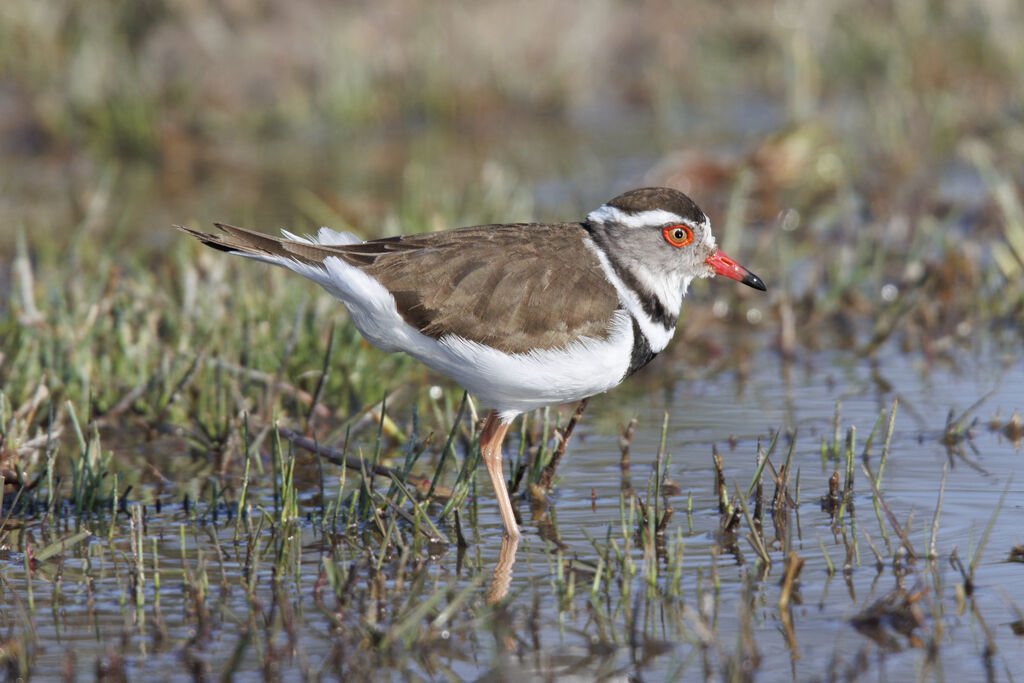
(723, 265)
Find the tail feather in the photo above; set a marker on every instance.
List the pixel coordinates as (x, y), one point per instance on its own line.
(252, 243)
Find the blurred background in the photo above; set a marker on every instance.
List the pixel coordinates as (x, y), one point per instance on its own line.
(174, 110)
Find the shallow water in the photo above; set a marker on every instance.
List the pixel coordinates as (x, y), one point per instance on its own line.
(980, 469)
(85, 603)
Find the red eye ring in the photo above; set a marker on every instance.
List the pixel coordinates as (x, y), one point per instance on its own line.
(677, 235)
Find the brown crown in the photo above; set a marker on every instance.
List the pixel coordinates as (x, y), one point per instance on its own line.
(651, 198)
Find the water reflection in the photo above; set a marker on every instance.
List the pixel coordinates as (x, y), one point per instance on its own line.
(503, 570)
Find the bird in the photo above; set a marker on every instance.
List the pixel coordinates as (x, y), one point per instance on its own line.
(521, 315)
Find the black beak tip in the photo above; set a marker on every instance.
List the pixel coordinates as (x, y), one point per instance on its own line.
(754, 281)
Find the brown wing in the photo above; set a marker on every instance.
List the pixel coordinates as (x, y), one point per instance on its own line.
(511, 287)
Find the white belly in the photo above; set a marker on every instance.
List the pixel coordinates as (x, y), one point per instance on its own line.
(516, 383)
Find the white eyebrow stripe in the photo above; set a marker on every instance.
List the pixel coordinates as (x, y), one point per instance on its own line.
(611, 214)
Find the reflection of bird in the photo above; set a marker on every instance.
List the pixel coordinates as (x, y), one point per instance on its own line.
(521, 315)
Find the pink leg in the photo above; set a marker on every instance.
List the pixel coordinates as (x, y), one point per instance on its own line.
(491, 439)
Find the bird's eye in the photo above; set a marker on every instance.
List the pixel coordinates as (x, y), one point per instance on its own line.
(677, 235)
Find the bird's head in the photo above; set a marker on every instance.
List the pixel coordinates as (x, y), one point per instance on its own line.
(663, 238)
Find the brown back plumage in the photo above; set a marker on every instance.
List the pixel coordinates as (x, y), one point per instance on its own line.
(512, 287)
